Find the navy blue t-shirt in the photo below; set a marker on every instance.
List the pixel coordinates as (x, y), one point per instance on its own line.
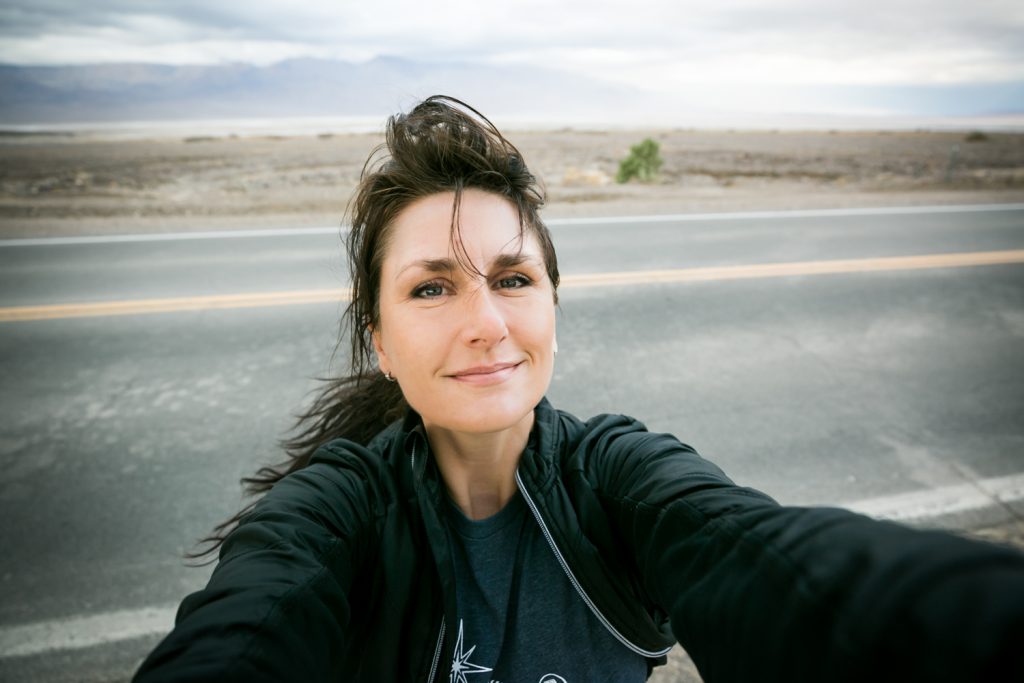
(520, 619)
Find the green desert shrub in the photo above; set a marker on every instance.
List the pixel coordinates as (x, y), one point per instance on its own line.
(642, 163)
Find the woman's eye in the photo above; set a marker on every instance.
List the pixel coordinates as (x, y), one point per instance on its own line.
(514, 281)
(429, 290)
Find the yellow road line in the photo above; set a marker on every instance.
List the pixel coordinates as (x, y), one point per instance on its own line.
(764, 270)
(191, 303)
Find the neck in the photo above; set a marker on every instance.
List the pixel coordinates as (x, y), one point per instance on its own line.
(479, 469)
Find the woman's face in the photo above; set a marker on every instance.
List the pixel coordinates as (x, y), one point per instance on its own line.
(473, 353)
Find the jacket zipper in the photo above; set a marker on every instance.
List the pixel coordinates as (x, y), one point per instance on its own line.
(576, 584)
(437, 653)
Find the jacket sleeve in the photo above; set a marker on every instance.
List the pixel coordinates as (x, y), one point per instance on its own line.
(276, 607)
(759, 591)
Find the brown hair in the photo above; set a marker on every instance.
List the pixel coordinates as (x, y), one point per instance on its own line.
(442, 145)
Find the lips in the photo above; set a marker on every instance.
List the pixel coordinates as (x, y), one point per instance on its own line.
(486, 374)
(485, 369)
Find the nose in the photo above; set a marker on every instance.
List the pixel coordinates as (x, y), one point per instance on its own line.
(484, 324)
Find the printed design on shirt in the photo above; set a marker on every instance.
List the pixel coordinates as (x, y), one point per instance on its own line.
(461, 664)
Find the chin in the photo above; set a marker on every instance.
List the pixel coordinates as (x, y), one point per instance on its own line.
(485, 415)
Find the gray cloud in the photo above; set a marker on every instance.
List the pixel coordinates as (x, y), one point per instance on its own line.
(900, 32)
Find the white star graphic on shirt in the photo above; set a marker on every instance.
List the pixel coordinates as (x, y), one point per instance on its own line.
(461, 664)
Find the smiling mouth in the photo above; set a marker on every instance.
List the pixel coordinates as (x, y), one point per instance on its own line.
(486, 374)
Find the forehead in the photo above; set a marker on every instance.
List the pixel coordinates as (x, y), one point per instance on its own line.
(488, 225)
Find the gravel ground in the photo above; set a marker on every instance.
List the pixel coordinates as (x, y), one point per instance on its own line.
(90, 185)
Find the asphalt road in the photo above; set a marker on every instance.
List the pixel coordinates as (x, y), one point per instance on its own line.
(122, 438)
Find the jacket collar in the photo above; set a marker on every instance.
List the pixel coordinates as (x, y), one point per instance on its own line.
(539, 462)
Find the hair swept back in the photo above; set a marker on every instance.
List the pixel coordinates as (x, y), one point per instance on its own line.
(441, 145)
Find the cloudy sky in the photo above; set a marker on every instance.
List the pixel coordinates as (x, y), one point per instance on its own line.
(723, 47)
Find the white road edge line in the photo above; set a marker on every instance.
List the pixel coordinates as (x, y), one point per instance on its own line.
(554, 222)
(792, 213)
(173, 236)
(918, 506)
(79, 632)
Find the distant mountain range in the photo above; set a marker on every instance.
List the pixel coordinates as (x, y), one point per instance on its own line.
(43, 95)
(297, 87)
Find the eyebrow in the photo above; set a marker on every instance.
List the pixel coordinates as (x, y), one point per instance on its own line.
(447, 265)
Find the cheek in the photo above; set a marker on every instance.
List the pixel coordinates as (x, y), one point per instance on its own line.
(415, 341)
(536, 326)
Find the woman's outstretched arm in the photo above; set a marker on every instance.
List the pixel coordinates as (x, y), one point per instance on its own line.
(276, 607)
(758, 591)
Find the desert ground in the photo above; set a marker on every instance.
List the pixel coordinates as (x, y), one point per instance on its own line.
(91, 184)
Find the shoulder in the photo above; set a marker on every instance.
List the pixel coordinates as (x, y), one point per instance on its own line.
(344, 488)
(621, 441)
(618, 458)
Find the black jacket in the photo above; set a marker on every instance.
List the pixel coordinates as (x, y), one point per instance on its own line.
(341, 572)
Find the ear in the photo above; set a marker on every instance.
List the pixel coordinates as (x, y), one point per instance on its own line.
(378, 347)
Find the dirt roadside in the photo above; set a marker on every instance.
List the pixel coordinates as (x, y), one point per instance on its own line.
(57, 186)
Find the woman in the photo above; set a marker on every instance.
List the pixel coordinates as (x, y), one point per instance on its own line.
(439, 520)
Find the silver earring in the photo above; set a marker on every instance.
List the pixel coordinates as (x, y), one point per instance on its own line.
(388, 377)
